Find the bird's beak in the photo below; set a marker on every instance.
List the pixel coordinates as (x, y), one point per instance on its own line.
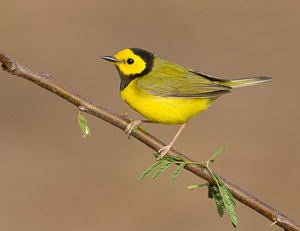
(111, 59)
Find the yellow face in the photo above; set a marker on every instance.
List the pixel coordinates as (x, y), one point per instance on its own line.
(130, 63)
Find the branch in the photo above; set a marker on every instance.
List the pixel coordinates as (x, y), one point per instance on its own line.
(45, 81)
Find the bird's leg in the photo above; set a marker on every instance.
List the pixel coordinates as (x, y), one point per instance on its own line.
(133, 124)
(164, 150)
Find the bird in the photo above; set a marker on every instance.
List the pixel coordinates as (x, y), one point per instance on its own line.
(167, 93)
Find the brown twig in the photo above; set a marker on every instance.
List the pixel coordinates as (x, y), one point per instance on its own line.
(45, 81)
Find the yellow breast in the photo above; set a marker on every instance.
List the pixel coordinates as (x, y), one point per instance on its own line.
(165, 110)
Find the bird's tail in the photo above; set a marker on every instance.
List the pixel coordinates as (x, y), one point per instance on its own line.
(244, 82)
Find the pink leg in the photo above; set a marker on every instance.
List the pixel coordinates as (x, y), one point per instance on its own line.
(164, 150)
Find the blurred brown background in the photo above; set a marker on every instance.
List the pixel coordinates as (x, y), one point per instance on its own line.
(53, 179)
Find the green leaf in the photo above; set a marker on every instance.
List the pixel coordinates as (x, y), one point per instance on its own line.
(82, 121)
(220, 193)
(144, 129)
(161, 169)
(178, 170)
(195, 186)
(215, 154)
(210, 194)
(172, 158)
(228, 200)
(135, 129)
(214, 192)
(228, 205)
(150, 169)
(221, 183)
(232, 199)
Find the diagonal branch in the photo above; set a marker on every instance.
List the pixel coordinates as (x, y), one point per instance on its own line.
(45, 81)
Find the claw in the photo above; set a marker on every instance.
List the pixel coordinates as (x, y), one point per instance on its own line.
(131, 126)
(163, 151)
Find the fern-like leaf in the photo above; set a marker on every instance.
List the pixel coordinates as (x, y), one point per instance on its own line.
(221, 183)
(227, 199)
(228, 205)
(161, 169)
(213, 191)
(215, 154)
(178, 170)
(82, 121)
(195, 186)
(150, 169)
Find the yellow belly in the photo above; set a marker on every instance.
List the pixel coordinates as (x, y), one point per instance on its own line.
(165, 110)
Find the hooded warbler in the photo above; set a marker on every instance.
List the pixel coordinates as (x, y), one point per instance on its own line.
(165, 92)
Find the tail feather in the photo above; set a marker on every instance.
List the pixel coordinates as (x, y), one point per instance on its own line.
(244, 82)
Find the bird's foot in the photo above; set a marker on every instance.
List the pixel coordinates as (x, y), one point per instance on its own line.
(163, 151)
(131, 127)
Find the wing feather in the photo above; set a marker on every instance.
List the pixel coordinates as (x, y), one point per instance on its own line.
(171, 80)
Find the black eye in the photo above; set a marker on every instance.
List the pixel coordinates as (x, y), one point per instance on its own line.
(130, 61)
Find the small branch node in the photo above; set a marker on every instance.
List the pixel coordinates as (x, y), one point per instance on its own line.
(8, 64)
(125, 114)
(273, 223)
(82, 108)
(44, 74)
(10, 67)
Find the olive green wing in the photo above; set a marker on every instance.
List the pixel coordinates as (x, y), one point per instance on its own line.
(171, 80)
